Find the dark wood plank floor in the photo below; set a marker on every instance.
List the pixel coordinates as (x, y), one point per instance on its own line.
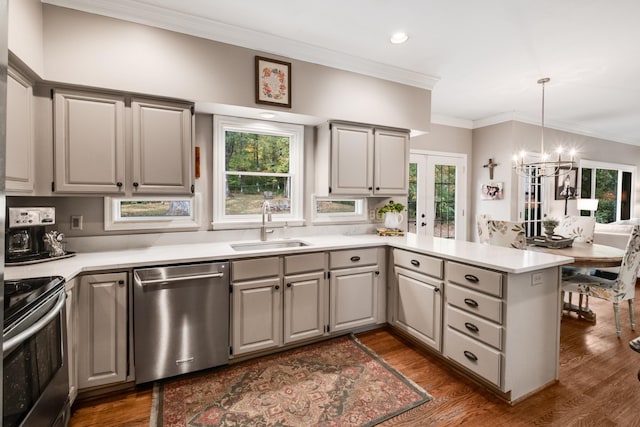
(598, 384)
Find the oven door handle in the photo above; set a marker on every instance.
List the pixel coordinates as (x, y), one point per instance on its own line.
(13, 342)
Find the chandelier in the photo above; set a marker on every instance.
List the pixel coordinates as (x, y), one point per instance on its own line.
(546, 166)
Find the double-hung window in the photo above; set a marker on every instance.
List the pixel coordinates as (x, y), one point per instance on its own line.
(255, 162)
(612, 185)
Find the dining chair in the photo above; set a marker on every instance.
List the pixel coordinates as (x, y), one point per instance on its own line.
(622, 288)
(507, 233)
(581, 228)
(483, 228)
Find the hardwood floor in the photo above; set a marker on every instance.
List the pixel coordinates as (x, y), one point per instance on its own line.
(598, 384)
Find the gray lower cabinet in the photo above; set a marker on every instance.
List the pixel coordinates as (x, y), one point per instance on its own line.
(354, 289)
(71, 289)
(306, 298)
(102, 329)
(417, 296)
(256, 305)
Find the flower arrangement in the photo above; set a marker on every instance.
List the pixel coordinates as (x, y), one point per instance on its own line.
(392, 207)
(550, 223)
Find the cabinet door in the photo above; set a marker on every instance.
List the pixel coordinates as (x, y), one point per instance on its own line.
(161, 147)
(71, 290)
(19, 155)
(89, 143)
(256, 315)
(304, 306)
(354, 297)
(102, 338)
(351, 160)
(391, 159)
(418, 306)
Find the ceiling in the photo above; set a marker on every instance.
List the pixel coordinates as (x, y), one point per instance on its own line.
(482, 59)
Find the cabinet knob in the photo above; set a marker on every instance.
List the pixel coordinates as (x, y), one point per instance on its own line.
(377, 273)
(377, 188)
(370, 188)
(288, 285)
(423, 224)
(121, 283)
(135, 184)
(436, 290)
(276, 287)
(119, 184)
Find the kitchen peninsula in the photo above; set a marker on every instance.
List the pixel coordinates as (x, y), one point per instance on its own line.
(494, 313)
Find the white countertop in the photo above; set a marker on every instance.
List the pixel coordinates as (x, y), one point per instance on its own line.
(494, 257)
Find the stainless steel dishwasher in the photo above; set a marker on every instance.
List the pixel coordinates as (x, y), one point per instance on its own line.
(181, 319)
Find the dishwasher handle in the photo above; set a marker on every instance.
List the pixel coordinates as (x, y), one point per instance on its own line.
(179, 279)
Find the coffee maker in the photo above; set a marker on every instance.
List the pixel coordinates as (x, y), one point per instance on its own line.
(24, 239)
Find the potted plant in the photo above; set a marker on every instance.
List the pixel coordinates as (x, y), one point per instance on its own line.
(549, 225)
(392, 214)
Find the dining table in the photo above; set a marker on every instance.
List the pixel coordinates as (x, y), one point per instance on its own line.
(587, 256)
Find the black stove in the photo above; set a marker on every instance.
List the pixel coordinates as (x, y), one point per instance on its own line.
(22, 295)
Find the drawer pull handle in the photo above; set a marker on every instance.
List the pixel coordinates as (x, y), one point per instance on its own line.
(470, 302)
(471, 278)
(470, 356)
(471, 327)
(415, 262)
(355, 258)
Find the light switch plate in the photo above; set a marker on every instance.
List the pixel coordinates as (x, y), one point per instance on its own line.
(76, 222)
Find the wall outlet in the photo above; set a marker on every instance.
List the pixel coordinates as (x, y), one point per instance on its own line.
(372, 214)
(76, 222)
(537, 279)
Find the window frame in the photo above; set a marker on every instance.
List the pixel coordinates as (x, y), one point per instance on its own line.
(620, 167)
(294, 132)
(114, 222)
(360, 216)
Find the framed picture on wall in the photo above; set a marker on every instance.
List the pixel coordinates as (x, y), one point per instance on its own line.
(566, 183)
(492, 191)
(273, 82)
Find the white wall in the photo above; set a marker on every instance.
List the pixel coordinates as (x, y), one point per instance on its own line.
(26, 32)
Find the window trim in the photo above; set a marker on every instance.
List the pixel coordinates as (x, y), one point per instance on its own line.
(113, 221)
(296, 169)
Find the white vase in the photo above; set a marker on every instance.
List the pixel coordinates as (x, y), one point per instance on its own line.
(393, 219)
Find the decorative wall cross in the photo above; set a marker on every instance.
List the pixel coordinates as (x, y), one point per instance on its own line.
(491, 165)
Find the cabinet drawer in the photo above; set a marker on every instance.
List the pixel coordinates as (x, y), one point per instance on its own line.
(475, 356)
(303, 263)
(475, 327)
(421, 263)
(475, 278)
(353, 258)
(475, 302)
(255, 268)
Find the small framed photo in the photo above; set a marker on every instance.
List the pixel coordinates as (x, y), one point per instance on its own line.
(492, 191)
(273, 82)
(566, 183)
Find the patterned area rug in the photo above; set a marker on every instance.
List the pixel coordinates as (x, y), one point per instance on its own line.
(339, 382)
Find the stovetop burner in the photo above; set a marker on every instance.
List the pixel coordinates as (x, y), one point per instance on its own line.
(21, 295)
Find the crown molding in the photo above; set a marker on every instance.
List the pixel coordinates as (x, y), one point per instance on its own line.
(451, 121)
(146, 14)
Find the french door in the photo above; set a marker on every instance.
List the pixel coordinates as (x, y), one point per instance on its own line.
(437, 195)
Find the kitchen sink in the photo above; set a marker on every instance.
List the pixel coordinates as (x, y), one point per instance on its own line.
(274, 244)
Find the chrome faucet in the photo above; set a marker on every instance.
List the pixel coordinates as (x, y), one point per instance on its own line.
(266, 210)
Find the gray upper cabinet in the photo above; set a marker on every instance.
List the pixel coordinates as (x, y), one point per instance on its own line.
(357, 160)
(89, 142)
(19, 155)
(91, 152)
(161, 147)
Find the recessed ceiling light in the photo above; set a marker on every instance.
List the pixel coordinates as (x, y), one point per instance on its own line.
(398, 38)
(267, 115)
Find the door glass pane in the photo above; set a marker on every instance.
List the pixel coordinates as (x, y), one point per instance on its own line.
(412, 199)
(533, 204)
(444, 187)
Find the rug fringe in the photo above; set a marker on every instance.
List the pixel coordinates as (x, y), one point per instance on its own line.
(153, 420)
